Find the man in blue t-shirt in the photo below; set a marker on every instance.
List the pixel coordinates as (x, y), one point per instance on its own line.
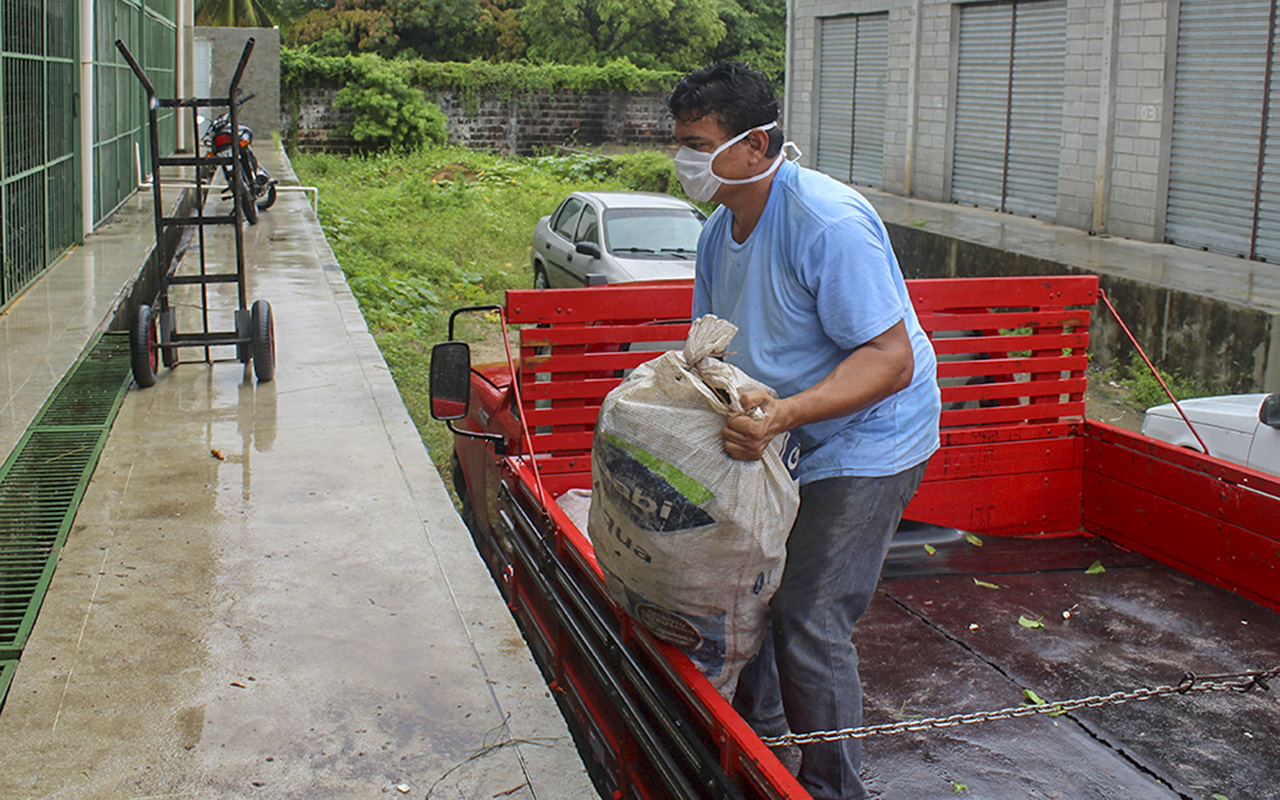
(803, 266)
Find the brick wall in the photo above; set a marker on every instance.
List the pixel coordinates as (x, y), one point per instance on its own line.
(516, 125)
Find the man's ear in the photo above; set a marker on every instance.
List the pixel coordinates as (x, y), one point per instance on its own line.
(759, 142)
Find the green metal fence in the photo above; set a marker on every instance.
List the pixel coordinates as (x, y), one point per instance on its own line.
(121, 140)
(40, 159)
(39, 200)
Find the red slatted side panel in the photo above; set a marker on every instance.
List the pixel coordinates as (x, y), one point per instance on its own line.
(1011, 362)
(1005, 482)
(577, 347)
(1007, 343)
(1206, 517)
(643, 302)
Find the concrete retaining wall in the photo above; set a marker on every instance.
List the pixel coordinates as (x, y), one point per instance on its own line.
(518, 125)
(261, 76)
(1225, 345)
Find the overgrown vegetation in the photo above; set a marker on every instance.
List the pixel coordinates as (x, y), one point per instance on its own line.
(389, 113)
(420, 233)
(1135, 375)
(300, 67)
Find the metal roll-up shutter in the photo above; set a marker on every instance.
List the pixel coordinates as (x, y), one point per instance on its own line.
(838, 44)
(982, 105)
(1217, 123)
(1035, 109)
(870, 99)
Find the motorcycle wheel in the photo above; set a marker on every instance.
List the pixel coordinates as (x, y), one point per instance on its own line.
(247, 204)
(268, 198)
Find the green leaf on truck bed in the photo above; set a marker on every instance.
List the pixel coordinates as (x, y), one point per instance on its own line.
(1028, 622)
(1034, 699)
(930, 549)
(1095, 568)
(984, 584)
(973, 540)
(958, 787)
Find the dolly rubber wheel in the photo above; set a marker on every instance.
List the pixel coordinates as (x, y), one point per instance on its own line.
(144, 347)
(263, 330)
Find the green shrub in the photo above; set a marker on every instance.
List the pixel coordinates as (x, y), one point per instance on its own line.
(577, 167)
(1147, 391)
(648, 172)
(389, 113)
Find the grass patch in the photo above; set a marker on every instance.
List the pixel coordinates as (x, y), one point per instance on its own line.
(419, 234)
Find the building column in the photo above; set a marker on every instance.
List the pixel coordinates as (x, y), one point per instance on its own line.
(87, 91)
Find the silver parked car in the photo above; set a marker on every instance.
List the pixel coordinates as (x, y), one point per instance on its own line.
(1242, 428)
(613, 237)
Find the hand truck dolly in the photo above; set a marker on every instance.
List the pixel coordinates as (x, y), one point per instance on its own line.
(153, 334)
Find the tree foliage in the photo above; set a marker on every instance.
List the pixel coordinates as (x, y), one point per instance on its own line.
(657, 34)
(235, 13)
(440, 30)
(756, 33)
(675, 35)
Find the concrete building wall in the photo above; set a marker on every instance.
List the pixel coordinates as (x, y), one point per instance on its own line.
(261, 77)
(1139, 157)
(1082, 110)
(1115, 104)
(929, 179)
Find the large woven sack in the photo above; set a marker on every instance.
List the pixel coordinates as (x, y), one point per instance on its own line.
(691, 541)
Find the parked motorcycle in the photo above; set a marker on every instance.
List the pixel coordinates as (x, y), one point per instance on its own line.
(260, 187)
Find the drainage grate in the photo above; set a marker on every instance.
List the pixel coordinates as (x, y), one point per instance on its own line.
(43, 480)
(91, 394)
(6, 675)
(40, 487)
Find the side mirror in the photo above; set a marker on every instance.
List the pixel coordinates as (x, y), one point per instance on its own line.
(450, 380)
(588, 249)
(1269, 413)
(597, 279)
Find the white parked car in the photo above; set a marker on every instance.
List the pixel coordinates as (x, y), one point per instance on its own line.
(613, 237)
(1243, 428)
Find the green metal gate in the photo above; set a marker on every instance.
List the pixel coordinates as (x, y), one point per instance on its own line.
(39, 194)
(121, 140)
(40, 157)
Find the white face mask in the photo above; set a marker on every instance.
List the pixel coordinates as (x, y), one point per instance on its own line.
(696, 175)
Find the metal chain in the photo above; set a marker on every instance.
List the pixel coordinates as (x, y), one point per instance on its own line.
(1235, 682)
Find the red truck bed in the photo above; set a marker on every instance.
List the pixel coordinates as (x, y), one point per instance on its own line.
(1047, 493)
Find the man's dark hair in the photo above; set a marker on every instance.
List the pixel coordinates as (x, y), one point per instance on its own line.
(737, 96)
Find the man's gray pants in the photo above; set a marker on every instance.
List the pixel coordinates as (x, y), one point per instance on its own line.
(806, 675)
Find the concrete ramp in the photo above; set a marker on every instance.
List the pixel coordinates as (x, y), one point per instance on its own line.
(267, 592)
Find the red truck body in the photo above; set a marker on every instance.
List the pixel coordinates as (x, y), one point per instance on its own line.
(1020, 466)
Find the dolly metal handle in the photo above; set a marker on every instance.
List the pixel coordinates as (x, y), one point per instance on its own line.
(244, 61)
(137, 70)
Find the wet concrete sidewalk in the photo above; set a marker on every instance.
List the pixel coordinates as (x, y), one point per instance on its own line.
(298, 614)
